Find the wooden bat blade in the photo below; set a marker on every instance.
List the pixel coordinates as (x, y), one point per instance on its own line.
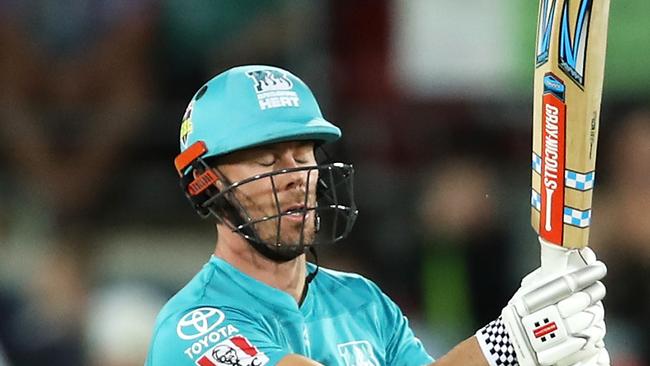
(568, 82)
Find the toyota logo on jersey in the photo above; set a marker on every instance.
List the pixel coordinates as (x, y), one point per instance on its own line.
(199, 322)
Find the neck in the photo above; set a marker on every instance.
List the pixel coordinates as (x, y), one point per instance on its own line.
(235, 249)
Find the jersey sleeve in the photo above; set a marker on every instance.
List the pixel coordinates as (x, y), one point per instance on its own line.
(210, 336)
(402, 346)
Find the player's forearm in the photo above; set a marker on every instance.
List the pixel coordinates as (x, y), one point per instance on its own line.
(466, 353)
(297, 360)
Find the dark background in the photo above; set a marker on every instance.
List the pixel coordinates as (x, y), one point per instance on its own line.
(434, 100)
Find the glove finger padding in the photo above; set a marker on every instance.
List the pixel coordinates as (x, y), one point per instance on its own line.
(585, 319)
(590, 346)
(582, 257)
(603, 357)
(581, 300)
(589, 357)
(576, 259)
(594, 335)
(546, 293)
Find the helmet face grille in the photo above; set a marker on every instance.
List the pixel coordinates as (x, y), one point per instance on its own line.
(326, 218)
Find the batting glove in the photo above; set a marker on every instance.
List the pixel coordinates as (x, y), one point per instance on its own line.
(555, 318)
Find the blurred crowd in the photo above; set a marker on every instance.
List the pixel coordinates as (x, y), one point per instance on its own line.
(95, 234)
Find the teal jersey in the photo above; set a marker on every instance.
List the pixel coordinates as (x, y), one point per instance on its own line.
(225, 317)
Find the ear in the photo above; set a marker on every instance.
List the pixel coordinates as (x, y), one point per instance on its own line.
(219, 183)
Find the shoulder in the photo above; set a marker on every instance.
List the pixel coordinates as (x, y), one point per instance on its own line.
(207, 334)
(351, 291)
(339, 292)
(184, 335)
(195, 320)
(333, 280)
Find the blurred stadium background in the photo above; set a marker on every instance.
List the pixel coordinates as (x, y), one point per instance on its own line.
(433, 96)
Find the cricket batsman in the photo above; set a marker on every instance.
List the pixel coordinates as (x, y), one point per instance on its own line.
(247, 162)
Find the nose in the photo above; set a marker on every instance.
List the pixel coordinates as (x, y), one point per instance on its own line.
(293, 180)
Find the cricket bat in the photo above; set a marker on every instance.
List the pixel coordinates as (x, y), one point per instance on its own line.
(568, 83)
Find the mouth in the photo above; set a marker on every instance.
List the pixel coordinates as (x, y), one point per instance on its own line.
(295, 212)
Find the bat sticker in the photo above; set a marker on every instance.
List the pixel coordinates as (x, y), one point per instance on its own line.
(544, 31)
(553, 159)
(573, 53)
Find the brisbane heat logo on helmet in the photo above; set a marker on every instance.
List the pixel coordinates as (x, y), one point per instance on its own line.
(274, 89)
(270, 80)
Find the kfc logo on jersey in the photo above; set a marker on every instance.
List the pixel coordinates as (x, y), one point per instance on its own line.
(273, 89)
(235, 351)
(357, 353)
(199, 322)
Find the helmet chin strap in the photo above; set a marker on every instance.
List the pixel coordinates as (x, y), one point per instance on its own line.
(310, 277)
(234, 219)
(278, 254)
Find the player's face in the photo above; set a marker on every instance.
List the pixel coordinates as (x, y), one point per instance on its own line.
(258, 199)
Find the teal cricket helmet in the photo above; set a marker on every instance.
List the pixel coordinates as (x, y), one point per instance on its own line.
(254, 105)
(249, 106)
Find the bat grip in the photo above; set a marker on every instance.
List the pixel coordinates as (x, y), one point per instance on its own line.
(554, 258)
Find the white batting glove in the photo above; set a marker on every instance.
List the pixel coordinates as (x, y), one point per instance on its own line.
(555, 318)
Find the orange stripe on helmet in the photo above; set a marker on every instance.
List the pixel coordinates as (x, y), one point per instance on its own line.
(184, 159)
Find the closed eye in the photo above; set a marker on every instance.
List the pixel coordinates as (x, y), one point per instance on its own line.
(304, 157)
(267, 161)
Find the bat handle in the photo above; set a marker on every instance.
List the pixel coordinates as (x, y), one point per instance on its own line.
(554, 258)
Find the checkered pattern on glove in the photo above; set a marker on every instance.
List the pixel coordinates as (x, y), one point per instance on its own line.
(495, 344)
